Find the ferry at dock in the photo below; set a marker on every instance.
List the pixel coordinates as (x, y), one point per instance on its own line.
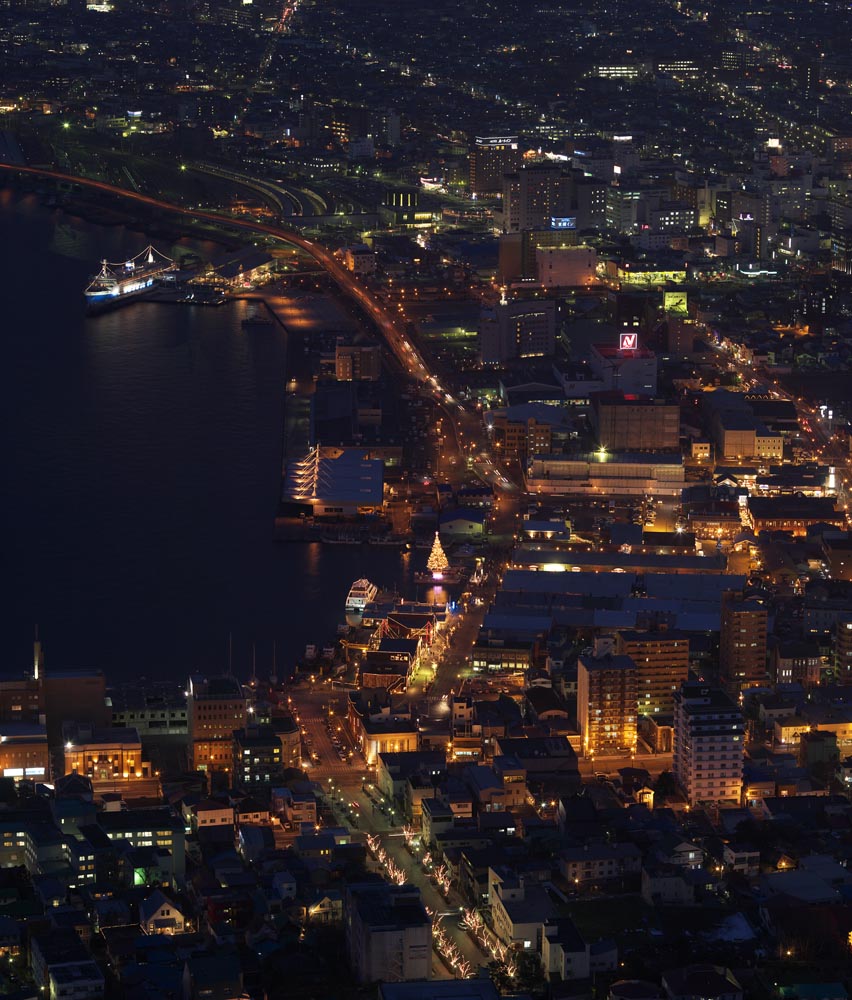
(361, 593)
(116, 283)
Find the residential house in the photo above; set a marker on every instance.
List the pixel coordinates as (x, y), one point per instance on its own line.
(160, 915)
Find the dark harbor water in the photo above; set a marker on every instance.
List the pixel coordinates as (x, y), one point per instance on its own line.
(141, 453)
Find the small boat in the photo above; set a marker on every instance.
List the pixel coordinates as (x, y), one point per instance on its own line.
(360, 594)
(257, 319)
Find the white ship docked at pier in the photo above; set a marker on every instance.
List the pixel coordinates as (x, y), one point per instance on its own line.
(118, 282)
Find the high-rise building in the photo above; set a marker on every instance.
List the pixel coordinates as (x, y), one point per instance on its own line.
(709, 732)
(662, 665)
(216, 709)
(742, 642)
(606, 704)
(521, 328)
(490, 158)
(537, 197)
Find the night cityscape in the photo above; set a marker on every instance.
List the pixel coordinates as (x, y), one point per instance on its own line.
(428, 442)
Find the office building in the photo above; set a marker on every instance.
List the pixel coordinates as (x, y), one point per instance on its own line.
(216, 709)
(606, 704)
(520, 328)
(662, 665)
(708, 745)
(357, 362)
(742, 642)
(490, 158)
(388, 933)
(635, 423)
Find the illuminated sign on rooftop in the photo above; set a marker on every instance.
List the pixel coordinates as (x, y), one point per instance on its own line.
(563, 222)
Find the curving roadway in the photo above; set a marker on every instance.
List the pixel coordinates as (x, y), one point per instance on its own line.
(408, 357)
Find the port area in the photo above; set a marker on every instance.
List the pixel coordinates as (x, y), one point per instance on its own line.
(376, 415)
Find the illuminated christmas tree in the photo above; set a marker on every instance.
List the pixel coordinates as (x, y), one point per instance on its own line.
(437, 561)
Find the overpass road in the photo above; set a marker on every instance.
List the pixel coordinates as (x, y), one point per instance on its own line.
(466, 425)
(408, 357)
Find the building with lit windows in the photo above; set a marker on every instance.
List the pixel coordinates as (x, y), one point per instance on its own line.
(258, 756)
(520, 328)
(709, 732)
(357, 362)
(111, 759)
(742, 642)
(842, 649)
(22, 700)
(628, 72)
(381, 723)
(23, 751)
(606, 474)
(151, 709)
(793, 514)
(360, 259)
(534, 196)
(519, 432)
(662, 665)
(216, 709)
(606, 704)
(490, 158)
(150, 828)
(401, 208)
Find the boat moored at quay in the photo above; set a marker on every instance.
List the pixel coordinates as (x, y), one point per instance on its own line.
(121, 282)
